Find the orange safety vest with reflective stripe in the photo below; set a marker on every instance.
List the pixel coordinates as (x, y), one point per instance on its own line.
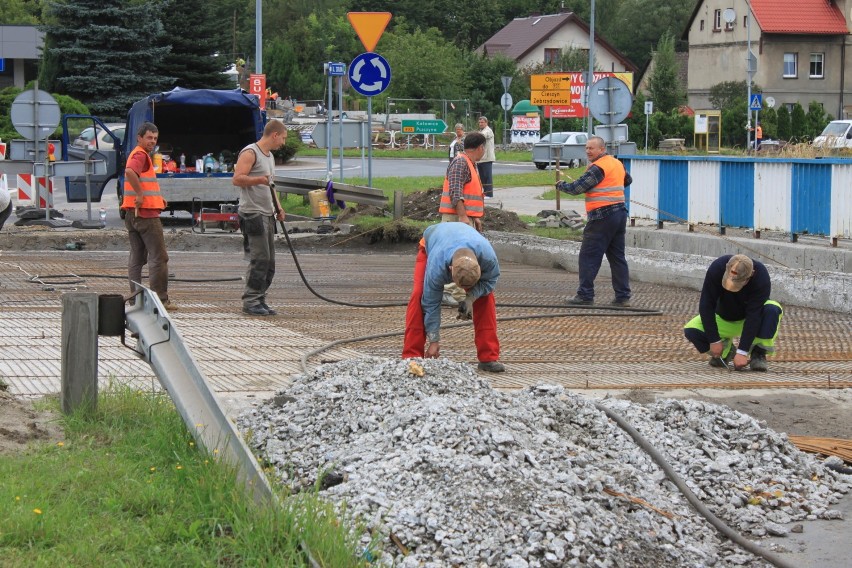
(474, 200)
(151, 197)
(611, 189)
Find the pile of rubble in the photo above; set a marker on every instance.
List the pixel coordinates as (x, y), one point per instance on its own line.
(456, 473)
(555, 219)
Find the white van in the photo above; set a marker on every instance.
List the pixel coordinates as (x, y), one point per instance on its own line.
(838, 134)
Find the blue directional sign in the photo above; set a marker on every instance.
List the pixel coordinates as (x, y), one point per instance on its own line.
(369, 74)
(336, 69)
(756, 101)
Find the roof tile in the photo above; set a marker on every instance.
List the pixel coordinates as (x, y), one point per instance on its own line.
(799, 17)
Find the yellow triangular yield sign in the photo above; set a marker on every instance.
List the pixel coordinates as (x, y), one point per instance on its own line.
(369, 26)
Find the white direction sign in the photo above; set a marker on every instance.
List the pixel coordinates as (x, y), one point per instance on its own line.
(506, 101)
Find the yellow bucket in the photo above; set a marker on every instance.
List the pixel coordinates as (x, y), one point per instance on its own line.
(158, 163)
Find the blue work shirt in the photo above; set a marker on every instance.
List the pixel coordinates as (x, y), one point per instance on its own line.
(442, 241)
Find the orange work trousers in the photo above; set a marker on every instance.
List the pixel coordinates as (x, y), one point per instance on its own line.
(484, 320)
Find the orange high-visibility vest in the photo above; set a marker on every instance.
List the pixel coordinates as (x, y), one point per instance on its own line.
(151, 197)
(474, 200)
(611, 189)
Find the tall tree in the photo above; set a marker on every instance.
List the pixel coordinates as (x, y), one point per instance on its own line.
(641, 23)
(664, 85)
(19, 12)
(103, 54)
(192, 60)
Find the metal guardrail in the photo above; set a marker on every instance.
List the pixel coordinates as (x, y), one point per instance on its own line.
(342, 191)
(160, 344)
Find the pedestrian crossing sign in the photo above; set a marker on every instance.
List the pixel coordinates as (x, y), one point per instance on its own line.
(756, 102)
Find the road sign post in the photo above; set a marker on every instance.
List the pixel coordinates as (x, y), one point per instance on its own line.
(369, 26)
(506, 103)
(649, 110)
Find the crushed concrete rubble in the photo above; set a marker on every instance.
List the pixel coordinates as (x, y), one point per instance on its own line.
(554, 219)
(461, 474)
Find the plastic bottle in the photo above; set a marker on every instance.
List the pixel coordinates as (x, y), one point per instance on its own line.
(103, 215)
(182, 163)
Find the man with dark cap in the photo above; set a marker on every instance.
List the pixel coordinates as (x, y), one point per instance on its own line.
(735, 303)
(454, 252)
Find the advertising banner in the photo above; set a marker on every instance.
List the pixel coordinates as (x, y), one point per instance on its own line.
(526, 129)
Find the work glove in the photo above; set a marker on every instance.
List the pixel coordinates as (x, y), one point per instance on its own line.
(466, 308)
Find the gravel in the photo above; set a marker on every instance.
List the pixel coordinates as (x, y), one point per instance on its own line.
(461, 474)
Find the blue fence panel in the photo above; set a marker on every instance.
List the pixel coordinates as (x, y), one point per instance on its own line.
(674, 191)
(811, 195)
(736, 194)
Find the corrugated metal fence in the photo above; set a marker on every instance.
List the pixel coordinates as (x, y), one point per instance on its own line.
(797, 196)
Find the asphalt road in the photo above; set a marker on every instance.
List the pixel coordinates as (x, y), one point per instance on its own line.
(313, 167)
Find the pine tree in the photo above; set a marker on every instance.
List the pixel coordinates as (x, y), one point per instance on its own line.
(785, 131)
(192, 61)
(104, 54)
(797, 121)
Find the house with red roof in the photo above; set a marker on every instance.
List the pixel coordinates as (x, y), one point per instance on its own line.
(541, 38)
(802, 50)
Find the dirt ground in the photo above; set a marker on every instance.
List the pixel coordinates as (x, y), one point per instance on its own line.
(22, 425)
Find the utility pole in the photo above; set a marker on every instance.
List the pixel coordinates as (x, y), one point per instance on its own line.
(591, 76)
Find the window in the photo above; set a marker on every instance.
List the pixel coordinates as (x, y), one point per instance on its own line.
(717, 20)
(745, 21)
(816, 69)
(551, 56)
(791, 65)
(701, 29)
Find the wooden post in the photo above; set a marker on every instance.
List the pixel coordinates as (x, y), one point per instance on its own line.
(397, 205)
(79, 351)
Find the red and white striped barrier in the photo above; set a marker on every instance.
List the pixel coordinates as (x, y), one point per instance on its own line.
(27, 191)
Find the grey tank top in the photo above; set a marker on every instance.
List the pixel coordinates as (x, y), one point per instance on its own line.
(258, 198)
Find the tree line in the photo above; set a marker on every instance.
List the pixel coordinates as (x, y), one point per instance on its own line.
(108, 55)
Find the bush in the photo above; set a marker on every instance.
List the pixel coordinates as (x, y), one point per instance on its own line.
(67, 105)
(288, 151)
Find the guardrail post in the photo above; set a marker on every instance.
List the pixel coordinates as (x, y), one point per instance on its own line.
(79, 351)
(397, 205)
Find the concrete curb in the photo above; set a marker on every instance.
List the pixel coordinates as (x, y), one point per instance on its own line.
(808, 288)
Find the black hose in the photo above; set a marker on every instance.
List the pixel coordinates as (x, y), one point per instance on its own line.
(717, 523)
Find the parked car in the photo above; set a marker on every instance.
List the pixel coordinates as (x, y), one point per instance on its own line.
(573, 148)
(96, 138)
(837, 134)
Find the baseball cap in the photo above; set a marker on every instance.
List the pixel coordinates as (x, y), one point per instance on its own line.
(466, 270)
(737, 272)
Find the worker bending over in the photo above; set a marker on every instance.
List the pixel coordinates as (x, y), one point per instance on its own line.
(735, 303)
(453, 252)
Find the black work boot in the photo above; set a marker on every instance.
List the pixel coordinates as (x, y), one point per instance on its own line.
(758, 359)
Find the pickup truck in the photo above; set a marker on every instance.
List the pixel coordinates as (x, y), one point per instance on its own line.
(194, 123)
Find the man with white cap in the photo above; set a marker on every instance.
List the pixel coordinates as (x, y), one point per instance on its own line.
(454, 252)
(735, 303)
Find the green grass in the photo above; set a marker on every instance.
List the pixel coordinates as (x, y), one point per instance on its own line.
(128, 487)
(501, 155)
